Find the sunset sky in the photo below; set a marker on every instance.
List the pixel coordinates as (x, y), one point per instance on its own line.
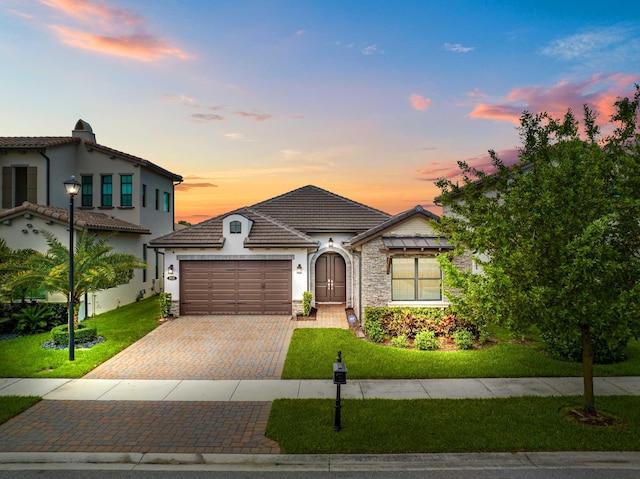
(372, 100)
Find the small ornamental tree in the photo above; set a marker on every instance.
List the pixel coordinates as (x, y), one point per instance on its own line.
(557, 236)
(96, 268)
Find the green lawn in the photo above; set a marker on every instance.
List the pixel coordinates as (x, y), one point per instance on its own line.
(313, 351)
(24, 358)
(446, 425)
(13, 405)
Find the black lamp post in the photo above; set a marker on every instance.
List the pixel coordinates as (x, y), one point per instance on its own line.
(72, 187)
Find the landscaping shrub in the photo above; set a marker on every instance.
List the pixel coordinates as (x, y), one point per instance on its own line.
(373, 330)
(165, 304)
(400, 342)
(463, 339)
(426, 340)
(82, 334)
(307, 299)
(33, 319)
(566, 345)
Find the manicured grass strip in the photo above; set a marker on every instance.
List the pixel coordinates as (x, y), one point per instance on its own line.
(380, 426)
(24, 358)
(13, 405)
(313, 351)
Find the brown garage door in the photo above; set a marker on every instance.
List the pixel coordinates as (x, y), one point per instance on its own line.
(235, 287)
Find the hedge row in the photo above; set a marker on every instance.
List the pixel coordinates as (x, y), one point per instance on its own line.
(384, 323)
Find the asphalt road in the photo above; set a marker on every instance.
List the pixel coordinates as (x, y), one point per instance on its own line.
(533, 473)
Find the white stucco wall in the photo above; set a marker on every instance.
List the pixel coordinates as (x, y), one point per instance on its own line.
(25, 231)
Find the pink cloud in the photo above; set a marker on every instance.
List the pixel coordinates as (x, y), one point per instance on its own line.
(599, 92)
(141, 47)
(89, 11)
(109, 30)
(419, 102)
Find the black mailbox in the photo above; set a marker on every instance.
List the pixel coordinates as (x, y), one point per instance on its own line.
(339, 373)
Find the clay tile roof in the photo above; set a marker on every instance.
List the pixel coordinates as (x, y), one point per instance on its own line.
(208, 233)
(35, 142)
(311, 209)
(81, 218)
(265, 232)
(284, 221)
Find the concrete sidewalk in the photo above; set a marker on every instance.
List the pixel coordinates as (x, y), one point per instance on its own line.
(180, 421)
(268, 390)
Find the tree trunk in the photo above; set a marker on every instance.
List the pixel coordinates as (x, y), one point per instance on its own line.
(587, 369)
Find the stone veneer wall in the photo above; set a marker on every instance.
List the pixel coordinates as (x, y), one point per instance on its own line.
(375, 282)
(296, 306)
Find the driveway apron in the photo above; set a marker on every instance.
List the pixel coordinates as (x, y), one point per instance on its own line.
(205, 347)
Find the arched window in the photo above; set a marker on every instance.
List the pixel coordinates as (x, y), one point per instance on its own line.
(235, 227)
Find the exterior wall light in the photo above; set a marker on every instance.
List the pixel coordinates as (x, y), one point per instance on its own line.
(170, 270)
(330, 242)
(299, 269)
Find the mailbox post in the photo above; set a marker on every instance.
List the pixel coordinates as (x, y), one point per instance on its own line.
(339, 378)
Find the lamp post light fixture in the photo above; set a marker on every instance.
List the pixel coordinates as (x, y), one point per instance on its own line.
(72, 187)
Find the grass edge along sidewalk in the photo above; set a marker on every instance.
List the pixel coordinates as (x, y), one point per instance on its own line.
(121, 327)
(312, 352)
(385, 426)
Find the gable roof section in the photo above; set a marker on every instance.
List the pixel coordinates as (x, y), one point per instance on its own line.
(133, 159)
(82, 219)
(42, 142)
(265, 232)
(394, 220)
(313, 210)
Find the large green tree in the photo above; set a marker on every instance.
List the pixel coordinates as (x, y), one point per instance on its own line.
(556, 235)
(96, 267)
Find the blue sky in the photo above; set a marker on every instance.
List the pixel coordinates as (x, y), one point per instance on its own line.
(249, 99)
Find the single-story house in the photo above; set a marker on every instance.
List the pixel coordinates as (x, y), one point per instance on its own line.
(260, 259)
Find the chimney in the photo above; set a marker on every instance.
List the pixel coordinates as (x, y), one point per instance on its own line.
(84, 131)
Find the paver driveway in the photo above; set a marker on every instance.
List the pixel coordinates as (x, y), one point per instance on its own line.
(212, 347)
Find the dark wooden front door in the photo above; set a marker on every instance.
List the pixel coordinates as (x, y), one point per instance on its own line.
(331, 279)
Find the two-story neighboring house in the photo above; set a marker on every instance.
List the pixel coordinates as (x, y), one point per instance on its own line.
(120, 193)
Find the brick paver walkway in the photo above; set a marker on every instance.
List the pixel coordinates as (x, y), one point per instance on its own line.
(140, 426)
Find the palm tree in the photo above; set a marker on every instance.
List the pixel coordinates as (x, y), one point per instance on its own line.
(12, 262)
(96, 268)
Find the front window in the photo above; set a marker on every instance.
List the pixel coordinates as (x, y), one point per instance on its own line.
(87, 191)
(107, 191)
(416, 279)
(126, 190)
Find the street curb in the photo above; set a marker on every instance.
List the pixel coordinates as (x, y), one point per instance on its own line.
(321, 462)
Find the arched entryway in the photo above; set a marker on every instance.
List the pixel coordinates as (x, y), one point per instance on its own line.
(331, 279)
